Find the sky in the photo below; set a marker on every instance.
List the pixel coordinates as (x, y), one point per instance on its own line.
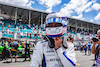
(88, 10)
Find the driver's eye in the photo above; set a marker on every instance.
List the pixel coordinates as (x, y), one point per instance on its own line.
(54, 25)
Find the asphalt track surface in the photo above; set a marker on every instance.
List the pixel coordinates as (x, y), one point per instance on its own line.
(82, 61)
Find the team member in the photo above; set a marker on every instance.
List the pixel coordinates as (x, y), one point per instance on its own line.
(4, 52)
(96, 49)
(27, 49)
(14, 46)
(53, 49)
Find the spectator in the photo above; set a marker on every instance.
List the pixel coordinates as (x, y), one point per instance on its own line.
(30, 35)
(2, 24)
(24, 28)
(15, 25)
(21, 34)
(27, 34)
(9, 26)
(7, 32)
(18, 24)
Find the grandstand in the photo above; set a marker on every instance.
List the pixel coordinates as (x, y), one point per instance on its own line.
(19, 20)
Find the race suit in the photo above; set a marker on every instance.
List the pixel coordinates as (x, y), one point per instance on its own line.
(60, 57)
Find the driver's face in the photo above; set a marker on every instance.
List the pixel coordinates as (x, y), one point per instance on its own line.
(54, 25)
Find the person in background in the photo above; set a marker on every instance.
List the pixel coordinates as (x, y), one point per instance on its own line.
(18, 24)
(96, 49)
(81, 47)
(27, 34)
(21, 34)
(2, 24)
(85, 48)
(9, 41)
(71, 40)
(7, 32)
(89, 48)
(14, 46)
(27, 49)
(9, 26)
(19, 43)
(3, 44)
(23, 43)
(30, 35)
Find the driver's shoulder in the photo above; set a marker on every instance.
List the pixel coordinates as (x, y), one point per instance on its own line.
(42, 42)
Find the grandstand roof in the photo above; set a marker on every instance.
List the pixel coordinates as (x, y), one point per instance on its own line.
(6, 4)
(83, 20)
(8, 11)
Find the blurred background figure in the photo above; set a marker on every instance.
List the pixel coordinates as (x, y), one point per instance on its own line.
(85, 48)
(81, 47)
(96, 48)
(89, 48)
(14, 46)
(27, 46)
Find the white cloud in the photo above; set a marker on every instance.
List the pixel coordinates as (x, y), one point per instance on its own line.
(88, 10)
(79, 17)
(76, 6)
(96, 6)
(49, 3)
(97, 17)
(16, 2)
(30, 4)
(26, 3)
(84, 5)
(49, 9)
(91, 20)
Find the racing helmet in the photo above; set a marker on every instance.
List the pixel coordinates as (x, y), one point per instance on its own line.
(56, 25)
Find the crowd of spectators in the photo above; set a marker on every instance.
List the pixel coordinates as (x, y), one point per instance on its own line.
(18, 27)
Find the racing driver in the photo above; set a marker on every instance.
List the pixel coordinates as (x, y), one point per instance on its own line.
(53, 49)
